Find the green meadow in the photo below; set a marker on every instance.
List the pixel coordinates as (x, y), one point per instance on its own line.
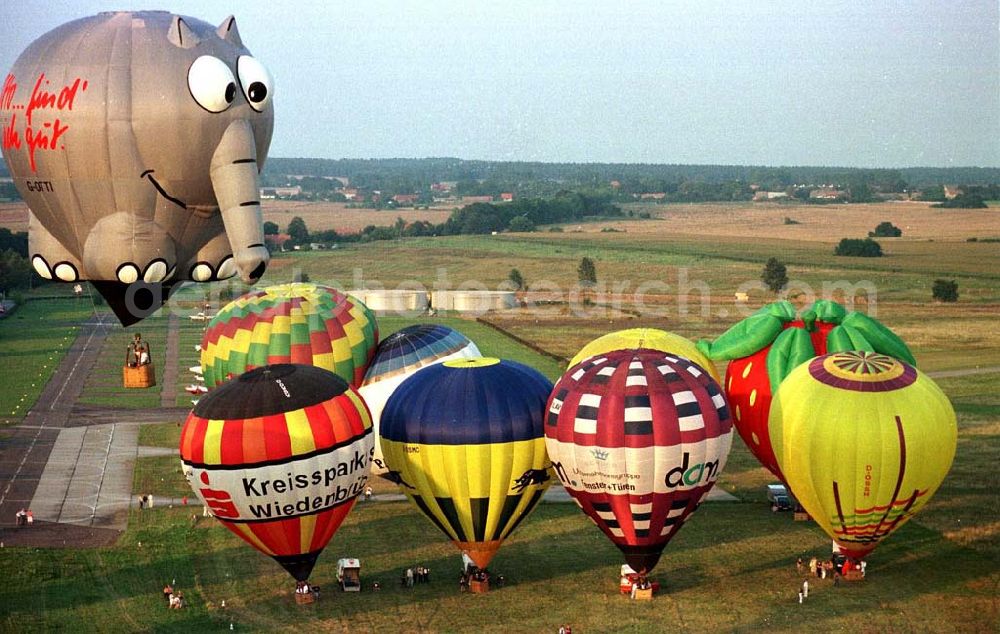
(731, 569)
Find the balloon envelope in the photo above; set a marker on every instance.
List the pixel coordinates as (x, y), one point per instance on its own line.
(638, 438)
(864, 441)
(290, 323)
(464, 441)
(401, 354)
(280, 455)
(136, 139)
(649, 338)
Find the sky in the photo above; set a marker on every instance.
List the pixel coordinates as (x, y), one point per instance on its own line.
(752, 82)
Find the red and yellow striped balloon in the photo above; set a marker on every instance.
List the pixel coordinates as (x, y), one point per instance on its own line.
(280, 455)
(290, 323)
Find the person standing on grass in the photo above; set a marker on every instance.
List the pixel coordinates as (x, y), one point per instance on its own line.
(168, 590)
(805, 588)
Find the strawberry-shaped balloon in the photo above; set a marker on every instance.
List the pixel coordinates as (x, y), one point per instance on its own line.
(766, 346)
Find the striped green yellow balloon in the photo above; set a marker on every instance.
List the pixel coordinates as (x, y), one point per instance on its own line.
(290, 323)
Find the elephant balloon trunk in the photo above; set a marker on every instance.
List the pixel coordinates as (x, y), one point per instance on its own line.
(234, 178)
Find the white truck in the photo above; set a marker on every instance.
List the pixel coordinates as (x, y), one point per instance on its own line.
(349, 574)
(779, 498)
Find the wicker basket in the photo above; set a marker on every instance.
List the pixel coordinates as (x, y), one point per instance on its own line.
(139, 376)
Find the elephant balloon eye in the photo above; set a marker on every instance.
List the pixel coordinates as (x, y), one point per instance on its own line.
(256, 82)
(211, 83)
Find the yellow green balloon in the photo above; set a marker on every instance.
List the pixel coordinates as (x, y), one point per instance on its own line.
(651, 338)
(864, 441)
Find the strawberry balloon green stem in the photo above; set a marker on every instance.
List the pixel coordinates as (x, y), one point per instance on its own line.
(843, 338)
(792, 347)
(746, 337)
(809, 320)
(829, 311)
(783, 310)
(881, 338)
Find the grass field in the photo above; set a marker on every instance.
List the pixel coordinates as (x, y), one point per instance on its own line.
(730, 569)
(33, 340)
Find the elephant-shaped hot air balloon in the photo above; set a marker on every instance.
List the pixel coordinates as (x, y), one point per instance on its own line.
(290, 323)
(136, 139)
(649, 338)
(401, 354)
(463, 440)
(638, 438)
(280, 455)
(763, 348)
(864, 441)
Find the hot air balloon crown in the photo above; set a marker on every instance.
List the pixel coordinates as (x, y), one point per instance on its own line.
(290, 323)
(413, 347)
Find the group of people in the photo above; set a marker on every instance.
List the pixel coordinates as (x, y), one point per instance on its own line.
(24, 517)
(838, 567)
(303, 587)
(642, 583)
(480, 575)
(146, 501)
(175, 600)
(419, 574)
(137, 353)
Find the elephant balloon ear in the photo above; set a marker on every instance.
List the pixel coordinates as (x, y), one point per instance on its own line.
(228, 31)
(180, 34)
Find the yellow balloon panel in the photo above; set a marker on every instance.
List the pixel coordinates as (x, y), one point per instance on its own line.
(475, 492)
(651, 338)
(864, 441)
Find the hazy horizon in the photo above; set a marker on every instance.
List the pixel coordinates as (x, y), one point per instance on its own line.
(776, 83)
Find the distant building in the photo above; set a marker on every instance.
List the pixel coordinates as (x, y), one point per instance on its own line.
(653, 196)
(468, 200)
(405, 199)
(506, 196)
(763, 195)
(827, 193)
(443, 186)
(351, 193)
(277, 240)
(615, 184)
(951, 191)
(270, 193)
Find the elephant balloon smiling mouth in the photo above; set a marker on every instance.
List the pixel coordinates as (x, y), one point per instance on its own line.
(177, 102)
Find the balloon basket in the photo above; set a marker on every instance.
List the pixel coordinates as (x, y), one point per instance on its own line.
(304, 598)
(645, 594)
(139, 376)
(801, 516)
(479, 587)
(853, 575)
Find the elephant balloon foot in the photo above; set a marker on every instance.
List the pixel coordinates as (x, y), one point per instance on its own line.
(63, 271)
(158, 270)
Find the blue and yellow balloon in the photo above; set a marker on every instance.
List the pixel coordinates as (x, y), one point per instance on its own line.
(464, 441)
